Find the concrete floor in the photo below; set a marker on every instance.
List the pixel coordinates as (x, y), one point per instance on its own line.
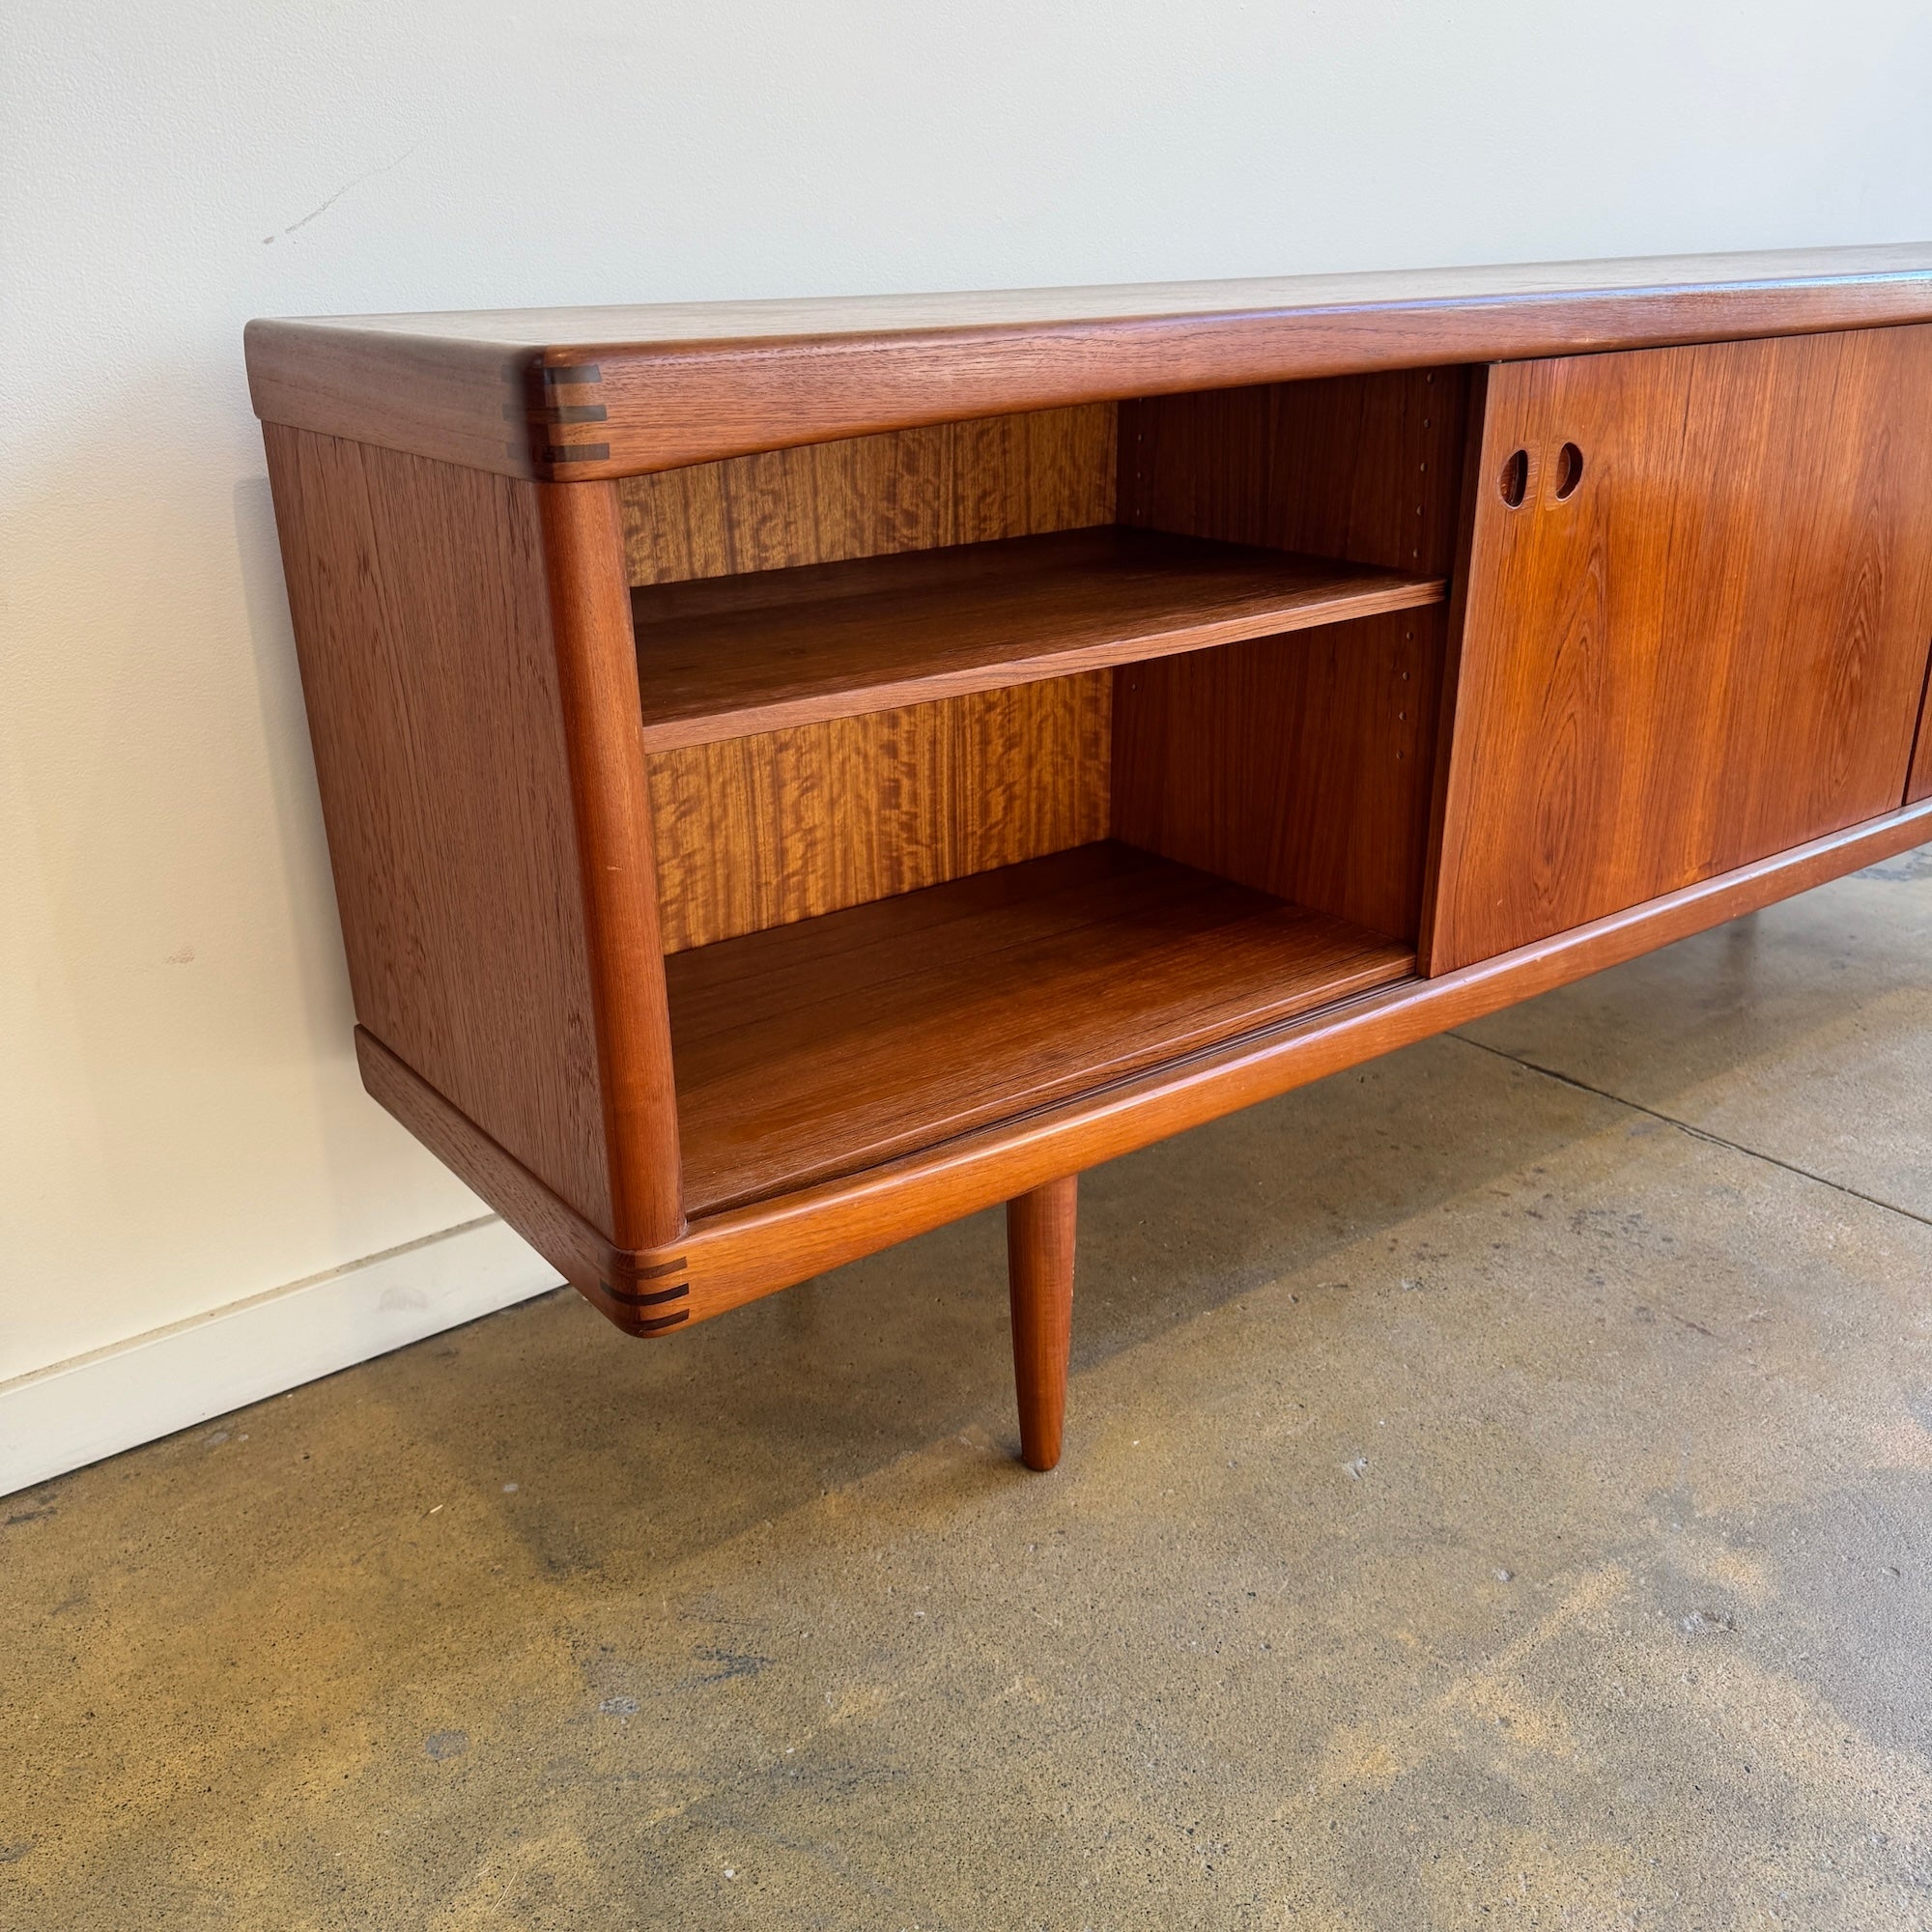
(1495, 1496)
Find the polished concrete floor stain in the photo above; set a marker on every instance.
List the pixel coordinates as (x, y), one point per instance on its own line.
(1498, 1493)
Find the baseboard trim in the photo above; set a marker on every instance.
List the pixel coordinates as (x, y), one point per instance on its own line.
(74, 1412)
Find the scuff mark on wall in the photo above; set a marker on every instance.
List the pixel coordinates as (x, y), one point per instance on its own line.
(387, 167)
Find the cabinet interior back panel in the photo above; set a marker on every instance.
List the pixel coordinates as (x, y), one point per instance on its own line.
(869, 496)
(760, 832)
(788, 824)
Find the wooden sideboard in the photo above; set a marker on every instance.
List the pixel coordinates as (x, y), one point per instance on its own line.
(800, 771)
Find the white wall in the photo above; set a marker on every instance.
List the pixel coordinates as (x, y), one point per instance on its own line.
(183, 1126)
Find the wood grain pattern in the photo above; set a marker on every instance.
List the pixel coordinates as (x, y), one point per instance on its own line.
(760, 832)
(918, 489)
(597, 693)
(681, 383)
(1305, 768)
(1364, 468)
(1300, 766)
(435, 395)
(823, 1049)
(1041, 1232)
(731, 1257)
(423, 626)
(742, 655)
(1711, 651)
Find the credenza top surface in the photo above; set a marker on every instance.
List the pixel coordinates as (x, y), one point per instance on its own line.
(603, 391)
(662, 328)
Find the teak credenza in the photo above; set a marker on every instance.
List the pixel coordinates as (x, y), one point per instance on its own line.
(800, 771)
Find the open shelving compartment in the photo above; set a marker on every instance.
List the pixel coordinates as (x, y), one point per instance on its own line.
(994, 761)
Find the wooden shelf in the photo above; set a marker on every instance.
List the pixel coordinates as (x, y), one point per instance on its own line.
(730, 656)
(817, 1049)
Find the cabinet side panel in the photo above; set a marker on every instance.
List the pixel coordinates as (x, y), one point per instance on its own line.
(1364, 468)
(423, 630)
(954, 483)
(1298, 766)
(758, 831)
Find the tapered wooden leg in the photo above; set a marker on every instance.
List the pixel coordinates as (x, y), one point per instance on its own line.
(1039, 1278)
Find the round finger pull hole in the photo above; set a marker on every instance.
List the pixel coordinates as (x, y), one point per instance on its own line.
(1569, 470)
(1515, 480)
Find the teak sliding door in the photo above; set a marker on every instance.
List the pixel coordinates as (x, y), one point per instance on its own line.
(1698, 601)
